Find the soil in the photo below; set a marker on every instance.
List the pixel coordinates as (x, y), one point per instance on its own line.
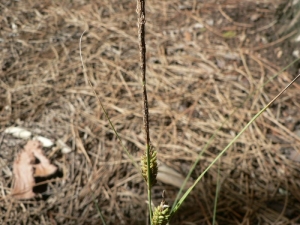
(207, 62)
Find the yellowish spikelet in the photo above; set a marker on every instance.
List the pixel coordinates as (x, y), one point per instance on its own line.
(161, 215)
(153, 166)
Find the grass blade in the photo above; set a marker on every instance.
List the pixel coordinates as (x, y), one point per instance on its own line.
(228, 146)
(217, 131)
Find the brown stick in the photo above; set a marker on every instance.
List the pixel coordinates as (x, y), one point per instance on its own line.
(142, 46)
(140, 9)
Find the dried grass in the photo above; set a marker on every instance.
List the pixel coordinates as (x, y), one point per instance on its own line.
(196, 77)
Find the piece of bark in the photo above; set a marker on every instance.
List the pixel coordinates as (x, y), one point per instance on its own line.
(25, 169)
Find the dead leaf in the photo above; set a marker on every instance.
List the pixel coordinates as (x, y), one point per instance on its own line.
(25, 169)
(44, 168)
(23, 172)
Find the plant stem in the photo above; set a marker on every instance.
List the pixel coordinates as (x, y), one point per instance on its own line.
(142, 47)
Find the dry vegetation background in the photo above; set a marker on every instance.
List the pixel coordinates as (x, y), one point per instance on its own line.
(204, 59)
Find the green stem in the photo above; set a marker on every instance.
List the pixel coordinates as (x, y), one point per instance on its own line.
(217, 194)
(149, 182)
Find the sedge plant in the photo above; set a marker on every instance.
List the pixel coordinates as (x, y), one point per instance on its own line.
(148, 166)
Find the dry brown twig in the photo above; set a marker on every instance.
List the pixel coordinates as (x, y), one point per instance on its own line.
(142, 46)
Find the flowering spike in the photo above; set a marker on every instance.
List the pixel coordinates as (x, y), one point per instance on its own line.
(161, 213)
(153, 166)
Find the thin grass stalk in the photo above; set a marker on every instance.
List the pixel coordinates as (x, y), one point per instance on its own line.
(110, 123)
(99, 212)
(218, 186)
(102, 107)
